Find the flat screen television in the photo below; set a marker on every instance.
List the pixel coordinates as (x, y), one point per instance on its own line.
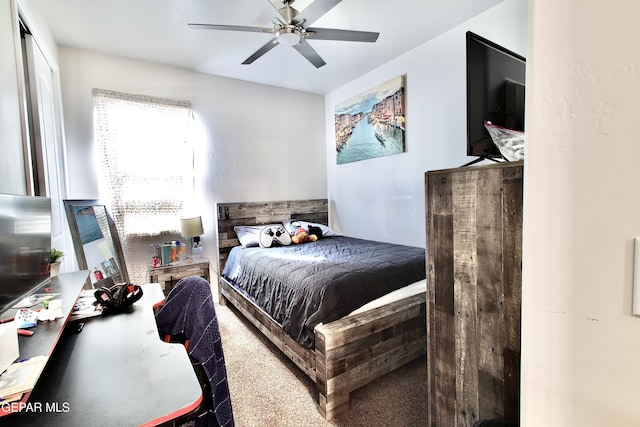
(25, 246)
(495, 93)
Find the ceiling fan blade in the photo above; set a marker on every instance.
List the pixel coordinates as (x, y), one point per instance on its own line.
(308, 52)
(342, 35)
(230, 28)
(264, 49)
(315, 10)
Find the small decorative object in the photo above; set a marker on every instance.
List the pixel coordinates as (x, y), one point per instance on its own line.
(55, 261)
(110, 267)
(55, 255)
(197, 250)
(299, 234)
(98, 274)
(26, 318)
(155, 257)
(166, 254)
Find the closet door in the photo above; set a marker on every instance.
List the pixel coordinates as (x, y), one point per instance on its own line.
(45, 135)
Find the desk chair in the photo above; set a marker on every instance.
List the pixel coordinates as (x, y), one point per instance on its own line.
(188, 316)
(205, 409)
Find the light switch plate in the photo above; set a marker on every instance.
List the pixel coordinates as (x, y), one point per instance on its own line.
(636, 277)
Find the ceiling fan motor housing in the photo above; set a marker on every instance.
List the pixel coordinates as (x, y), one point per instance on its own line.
(288, 12)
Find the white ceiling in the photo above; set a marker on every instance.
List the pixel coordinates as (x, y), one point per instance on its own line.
(157, 31)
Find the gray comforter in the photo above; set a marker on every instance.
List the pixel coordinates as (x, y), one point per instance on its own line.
(302, 285)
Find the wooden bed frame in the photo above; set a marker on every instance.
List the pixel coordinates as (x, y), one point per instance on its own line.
(349, 352)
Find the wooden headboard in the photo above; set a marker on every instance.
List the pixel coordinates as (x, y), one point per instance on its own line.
(258, 213)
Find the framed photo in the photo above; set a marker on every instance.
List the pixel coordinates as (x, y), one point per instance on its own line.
(110, 267)
(371, 124)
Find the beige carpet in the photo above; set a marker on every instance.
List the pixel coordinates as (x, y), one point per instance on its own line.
(267, 389)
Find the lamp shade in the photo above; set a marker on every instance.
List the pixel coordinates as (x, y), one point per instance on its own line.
(191, 227)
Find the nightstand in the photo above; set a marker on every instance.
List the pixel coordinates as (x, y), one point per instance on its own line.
(168, 275)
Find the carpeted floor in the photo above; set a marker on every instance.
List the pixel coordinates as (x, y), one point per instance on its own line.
(267, 389)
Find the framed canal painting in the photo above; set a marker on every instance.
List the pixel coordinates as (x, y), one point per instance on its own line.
(371, 124)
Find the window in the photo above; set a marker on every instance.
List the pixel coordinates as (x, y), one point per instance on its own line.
(147, 162)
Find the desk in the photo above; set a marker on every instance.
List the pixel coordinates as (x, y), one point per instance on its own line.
(116, 371)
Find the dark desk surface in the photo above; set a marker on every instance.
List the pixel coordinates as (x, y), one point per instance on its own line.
(46, 335)
(116, 372)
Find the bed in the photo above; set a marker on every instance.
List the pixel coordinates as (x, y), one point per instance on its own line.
(339, 349)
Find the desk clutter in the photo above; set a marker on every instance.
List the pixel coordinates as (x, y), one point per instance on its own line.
(114, 298)
(19, 378)
(28, 316)
(90, 303)
(175, 253)
(167, 253)
(86, 306)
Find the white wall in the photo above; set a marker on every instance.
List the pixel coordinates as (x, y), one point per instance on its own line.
(256, 142)
(383, 198)
(582, 211)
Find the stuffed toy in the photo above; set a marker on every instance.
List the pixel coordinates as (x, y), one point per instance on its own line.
(300, 235)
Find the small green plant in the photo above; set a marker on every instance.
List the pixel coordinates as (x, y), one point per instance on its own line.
(55, 255)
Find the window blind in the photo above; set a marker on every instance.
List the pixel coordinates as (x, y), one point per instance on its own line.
(146, 157)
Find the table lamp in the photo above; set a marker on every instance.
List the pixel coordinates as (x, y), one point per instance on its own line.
(191, 228)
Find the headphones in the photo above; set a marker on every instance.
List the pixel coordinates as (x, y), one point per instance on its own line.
(118, 296)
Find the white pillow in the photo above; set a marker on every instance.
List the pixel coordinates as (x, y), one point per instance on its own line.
(249, 235)
(326, 230)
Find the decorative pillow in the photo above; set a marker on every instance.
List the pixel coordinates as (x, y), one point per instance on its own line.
(274, 235)
(249, 235)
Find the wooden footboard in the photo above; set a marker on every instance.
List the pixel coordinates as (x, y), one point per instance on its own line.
(356, 350)
(349, 352)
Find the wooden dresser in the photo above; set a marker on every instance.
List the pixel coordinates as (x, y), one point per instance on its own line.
(474, 276)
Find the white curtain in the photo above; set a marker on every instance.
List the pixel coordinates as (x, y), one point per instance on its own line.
(147, 164)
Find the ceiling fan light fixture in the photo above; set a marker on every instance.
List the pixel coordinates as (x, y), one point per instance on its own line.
(289, 36)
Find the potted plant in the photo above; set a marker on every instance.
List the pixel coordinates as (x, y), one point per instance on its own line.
(55, 261)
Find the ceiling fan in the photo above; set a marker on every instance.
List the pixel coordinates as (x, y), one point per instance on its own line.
(291, 28)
